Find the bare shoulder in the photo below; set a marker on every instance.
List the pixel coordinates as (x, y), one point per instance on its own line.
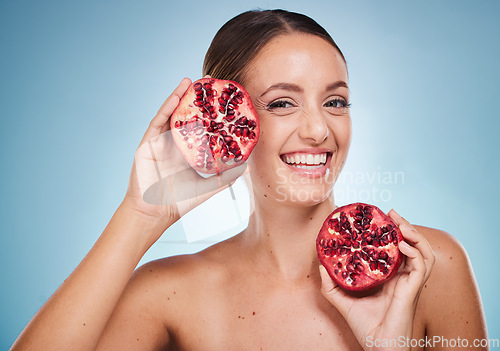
(445, 246)
(177, 282)
(452, 266)
(161, 296)
(184, 271)
(450, 300)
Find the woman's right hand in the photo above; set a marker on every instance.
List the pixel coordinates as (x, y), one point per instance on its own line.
(162, 185)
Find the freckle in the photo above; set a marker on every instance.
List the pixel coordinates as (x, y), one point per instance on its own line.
(265, 195)
(308, 276)
(239, 316)
(268, 186)
(314, 318)
(451, 257)
(425, 286)
(156, 276)
(137, 339)
(84, 324)
(150, 270)
(174, 292)
(467, 322)
(310, 218)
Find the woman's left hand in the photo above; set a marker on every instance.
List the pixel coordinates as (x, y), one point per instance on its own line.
(388, 313)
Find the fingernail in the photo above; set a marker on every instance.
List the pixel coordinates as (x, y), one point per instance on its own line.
(405, 244)
(408, 227)
(396, 213)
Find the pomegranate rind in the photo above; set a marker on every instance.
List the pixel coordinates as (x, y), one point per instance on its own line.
(351, 252)
(215, 125)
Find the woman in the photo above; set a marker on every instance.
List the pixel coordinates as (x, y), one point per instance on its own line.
(261, 290)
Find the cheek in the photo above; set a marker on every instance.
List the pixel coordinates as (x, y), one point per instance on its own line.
(261, 154)
(342, 131)
(269, 143)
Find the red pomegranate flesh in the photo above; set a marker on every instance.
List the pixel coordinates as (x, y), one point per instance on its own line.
(215, 125)
(358, 246)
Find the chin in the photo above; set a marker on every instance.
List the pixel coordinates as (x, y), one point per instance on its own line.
(303, 196)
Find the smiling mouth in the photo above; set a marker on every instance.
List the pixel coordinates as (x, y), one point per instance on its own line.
(305, 160)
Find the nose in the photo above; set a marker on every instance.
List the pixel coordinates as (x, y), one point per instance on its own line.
(313, 127)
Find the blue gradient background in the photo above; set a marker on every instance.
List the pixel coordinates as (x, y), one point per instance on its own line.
(80, 81)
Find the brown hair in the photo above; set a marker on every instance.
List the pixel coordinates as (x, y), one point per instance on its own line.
(239, 40)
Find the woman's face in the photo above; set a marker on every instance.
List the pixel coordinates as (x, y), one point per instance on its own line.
(298, 84)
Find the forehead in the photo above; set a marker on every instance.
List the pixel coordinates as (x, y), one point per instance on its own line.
(296, 57)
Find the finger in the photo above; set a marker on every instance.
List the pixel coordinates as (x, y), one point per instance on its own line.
(396, 217)
(159, 123)
(334, 293)
(415, 262)
(416, 239)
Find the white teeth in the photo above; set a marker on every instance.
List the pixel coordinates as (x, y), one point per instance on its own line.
(301, 160)
(310, 159)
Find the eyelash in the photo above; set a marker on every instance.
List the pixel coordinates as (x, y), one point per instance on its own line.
(342, 102)
(281, 104)
(277, 103)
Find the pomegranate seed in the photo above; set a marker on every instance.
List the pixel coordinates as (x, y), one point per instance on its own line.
(242, 121)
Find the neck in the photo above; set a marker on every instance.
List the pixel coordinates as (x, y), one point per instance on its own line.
(282, 239)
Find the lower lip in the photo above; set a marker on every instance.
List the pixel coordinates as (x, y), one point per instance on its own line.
(316, 172)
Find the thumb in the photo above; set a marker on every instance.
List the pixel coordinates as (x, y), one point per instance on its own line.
(205, 188)
(228, 177)
(334, 293)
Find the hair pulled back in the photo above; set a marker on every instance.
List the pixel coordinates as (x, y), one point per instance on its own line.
(239, 40)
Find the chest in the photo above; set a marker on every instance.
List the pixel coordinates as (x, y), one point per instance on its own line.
(264, 319)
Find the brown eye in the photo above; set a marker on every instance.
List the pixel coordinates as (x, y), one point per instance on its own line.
(337, 103)
(279, 104)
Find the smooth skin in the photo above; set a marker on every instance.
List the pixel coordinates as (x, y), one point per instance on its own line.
(264, 288)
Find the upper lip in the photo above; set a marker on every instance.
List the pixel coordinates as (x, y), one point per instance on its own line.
(311, 151)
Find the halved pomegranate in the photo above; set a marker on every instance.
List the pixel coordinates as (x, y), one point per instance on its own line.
(215, 125)
(358, 246)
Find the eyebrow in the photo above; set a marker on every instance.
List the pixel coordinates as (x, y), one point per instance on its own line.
(336, 85)
(283, 86)
(297, 89)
